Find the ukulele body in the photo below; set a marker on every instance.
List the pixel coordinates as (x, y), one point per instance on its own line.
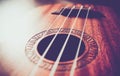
(101, 30)
(101, 39)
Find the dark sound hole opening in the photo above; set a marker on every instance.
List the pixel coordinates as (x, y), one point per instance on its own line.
(69, 51)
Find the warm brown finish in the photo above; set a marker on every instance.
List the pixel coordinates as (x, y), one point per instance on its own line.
(105, 31)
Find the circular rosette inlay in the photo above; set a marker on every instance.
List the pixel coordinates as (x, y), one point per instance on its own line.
(40, 42)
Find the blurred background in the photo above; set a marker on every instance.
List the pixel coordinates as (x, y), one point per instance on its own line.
(115, 4)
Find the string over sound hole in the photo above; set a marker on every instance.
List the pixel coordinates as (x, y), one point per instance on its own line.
(69, 51)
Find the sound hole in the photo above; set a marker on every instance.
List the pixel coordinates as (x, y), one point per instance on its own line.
(69, 51)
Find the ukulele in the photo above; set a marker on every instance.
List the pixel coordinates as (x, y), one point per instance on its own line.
(72, 38)
(75, 43)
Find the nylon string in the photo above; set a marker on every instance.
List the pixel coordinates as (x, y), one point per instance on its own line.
(42, 57)
(63, 47)
(79, 46)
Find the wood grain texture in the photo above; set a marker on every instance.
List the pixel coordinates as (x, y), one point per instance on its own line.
(105, 31)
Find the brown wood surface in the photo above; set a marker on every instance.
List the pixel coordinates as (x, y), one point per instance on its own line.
(105, 31)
